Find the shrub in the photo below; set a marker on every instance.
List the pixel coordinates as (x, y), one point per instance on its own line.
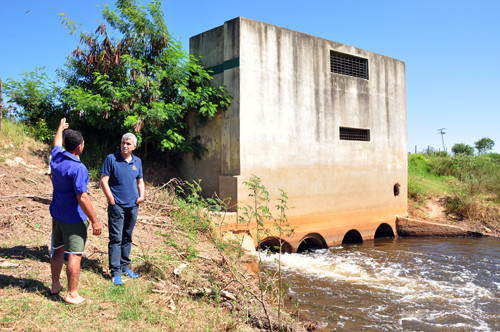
(461, 148)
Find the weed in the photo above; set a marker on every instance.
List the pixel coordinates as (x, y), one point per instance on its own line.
(256, 215)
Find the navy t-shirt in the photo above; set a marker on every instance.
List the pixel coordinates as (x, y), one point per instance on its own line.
(69, 178)
(123, 177)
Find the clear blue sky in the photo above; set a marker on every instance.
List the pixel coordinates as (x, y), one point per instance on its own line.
(451, 48)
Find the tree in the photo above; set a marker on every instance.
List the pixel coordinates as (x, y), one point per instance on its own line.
(483, 145)
(35, 95)
(38, 102)
(461, 148)
(142, 82)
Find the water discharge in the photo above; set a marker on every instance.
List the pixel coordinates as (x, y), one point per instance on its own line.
(398, 285)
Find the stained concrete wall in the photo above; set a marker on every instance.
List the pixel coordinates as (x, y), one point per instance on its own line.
(283, 125)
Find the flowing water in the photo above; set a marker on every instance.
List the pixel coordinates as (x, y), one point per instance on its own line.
(402, 284)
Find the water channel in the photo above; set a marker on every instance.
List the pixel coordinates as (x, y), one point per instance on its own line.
(398, 284)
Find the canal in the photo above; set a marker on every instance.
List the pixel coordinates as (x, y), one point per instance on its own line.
(397, 284)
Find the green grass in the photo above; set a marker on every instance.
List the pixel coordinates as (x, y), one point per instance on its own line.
(13, 133)
(470, 184)
(423, 183)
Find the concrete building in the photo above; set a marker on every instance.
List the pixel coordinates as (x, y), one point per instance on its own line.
(323, 121)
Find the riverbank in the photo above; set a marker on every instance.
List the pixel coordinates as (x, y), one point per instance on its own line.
(408, 227)
(431, 218)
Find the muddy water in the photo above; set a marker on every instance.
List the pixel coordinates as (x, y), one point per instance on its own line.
(398, 285)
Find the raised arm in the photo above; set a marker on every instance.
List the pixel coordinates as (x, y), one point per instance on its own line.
(58, 140)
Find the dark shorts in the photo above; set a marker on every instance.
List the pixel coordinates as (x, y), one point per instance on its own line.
(70, 236)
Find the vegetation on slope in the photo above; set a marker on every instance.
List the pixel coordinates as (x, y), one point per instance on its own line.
(467, 187)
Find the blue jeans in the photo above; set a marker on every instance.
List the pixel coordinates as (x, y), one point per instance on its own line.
(121, 222)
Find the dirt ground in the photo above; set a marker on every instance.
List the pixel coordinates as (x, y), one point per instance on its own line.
(434, 210)
(25, 195)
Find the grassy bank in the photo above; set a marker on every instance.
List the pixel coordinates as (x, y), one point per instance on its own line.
(466, 187)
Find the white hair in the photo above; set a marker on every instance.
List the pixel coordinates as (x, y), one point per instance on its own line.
(131, 136)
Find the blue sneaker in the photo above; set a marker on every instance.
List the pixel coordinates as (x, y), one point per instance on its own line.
(131, 274)
(117, 280)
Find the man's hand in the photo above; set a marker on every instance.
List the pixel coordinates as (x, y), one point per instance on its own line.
(58, 139)
(140, 189)
(63, 124)
(84, 202)
(96, 228)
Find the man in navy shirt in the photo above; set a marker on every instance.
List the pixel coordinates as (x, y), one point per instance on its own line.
(69, 209)
(122, 183)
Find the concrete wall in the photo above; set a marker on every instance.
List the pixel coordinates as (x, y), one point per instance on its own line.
(283, 126)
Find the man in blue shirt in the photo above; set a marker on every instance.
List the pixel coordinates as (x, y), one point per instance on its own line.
(69, 209)
(122, 183)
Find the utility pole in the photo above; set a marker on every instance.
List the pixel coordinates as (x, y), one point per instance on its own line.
(442, 137)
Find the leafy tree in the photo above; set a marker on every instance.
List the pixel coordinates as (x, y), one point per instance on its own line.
(483, 145)
(37, 102)
(142, 82)
(461, 148)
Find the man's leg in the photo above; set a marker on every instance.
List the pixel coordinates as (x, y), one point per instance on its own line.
(56, 264)
(115, 223)
(57, 256)
(128, 228)
(73, 273)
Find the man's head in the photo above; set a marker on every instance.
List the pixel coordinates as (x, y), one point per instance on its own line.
(128, 144)
(72, 140)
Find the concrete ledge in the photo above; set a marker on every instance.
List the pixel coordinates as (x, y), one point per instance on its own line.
(415, 228)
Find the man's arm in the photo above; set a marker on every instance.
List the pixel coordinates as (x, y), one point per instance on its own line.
(86, 205)
(106, 189)
(140, 188)
(58, 140)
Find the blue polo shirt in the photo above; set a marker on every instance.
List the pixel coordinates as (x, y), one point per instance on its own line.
(123, 178)
(69, 178)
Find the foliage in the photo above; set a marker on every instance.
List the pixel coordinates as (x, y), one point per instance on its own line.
(433, 151)
(492, 157)
(468, 180)
(142, 82)
(37, 101)
(484, 145)
(461, 148)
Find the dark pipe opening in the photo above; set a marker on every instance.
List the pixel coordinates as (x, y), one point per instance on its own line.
(312, 242)
(384, 231)
(351, 237)
(273, 245)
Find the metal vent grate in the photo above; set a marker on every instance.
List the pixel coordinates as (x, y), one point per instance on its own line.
(346, 64)
(354, 134)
